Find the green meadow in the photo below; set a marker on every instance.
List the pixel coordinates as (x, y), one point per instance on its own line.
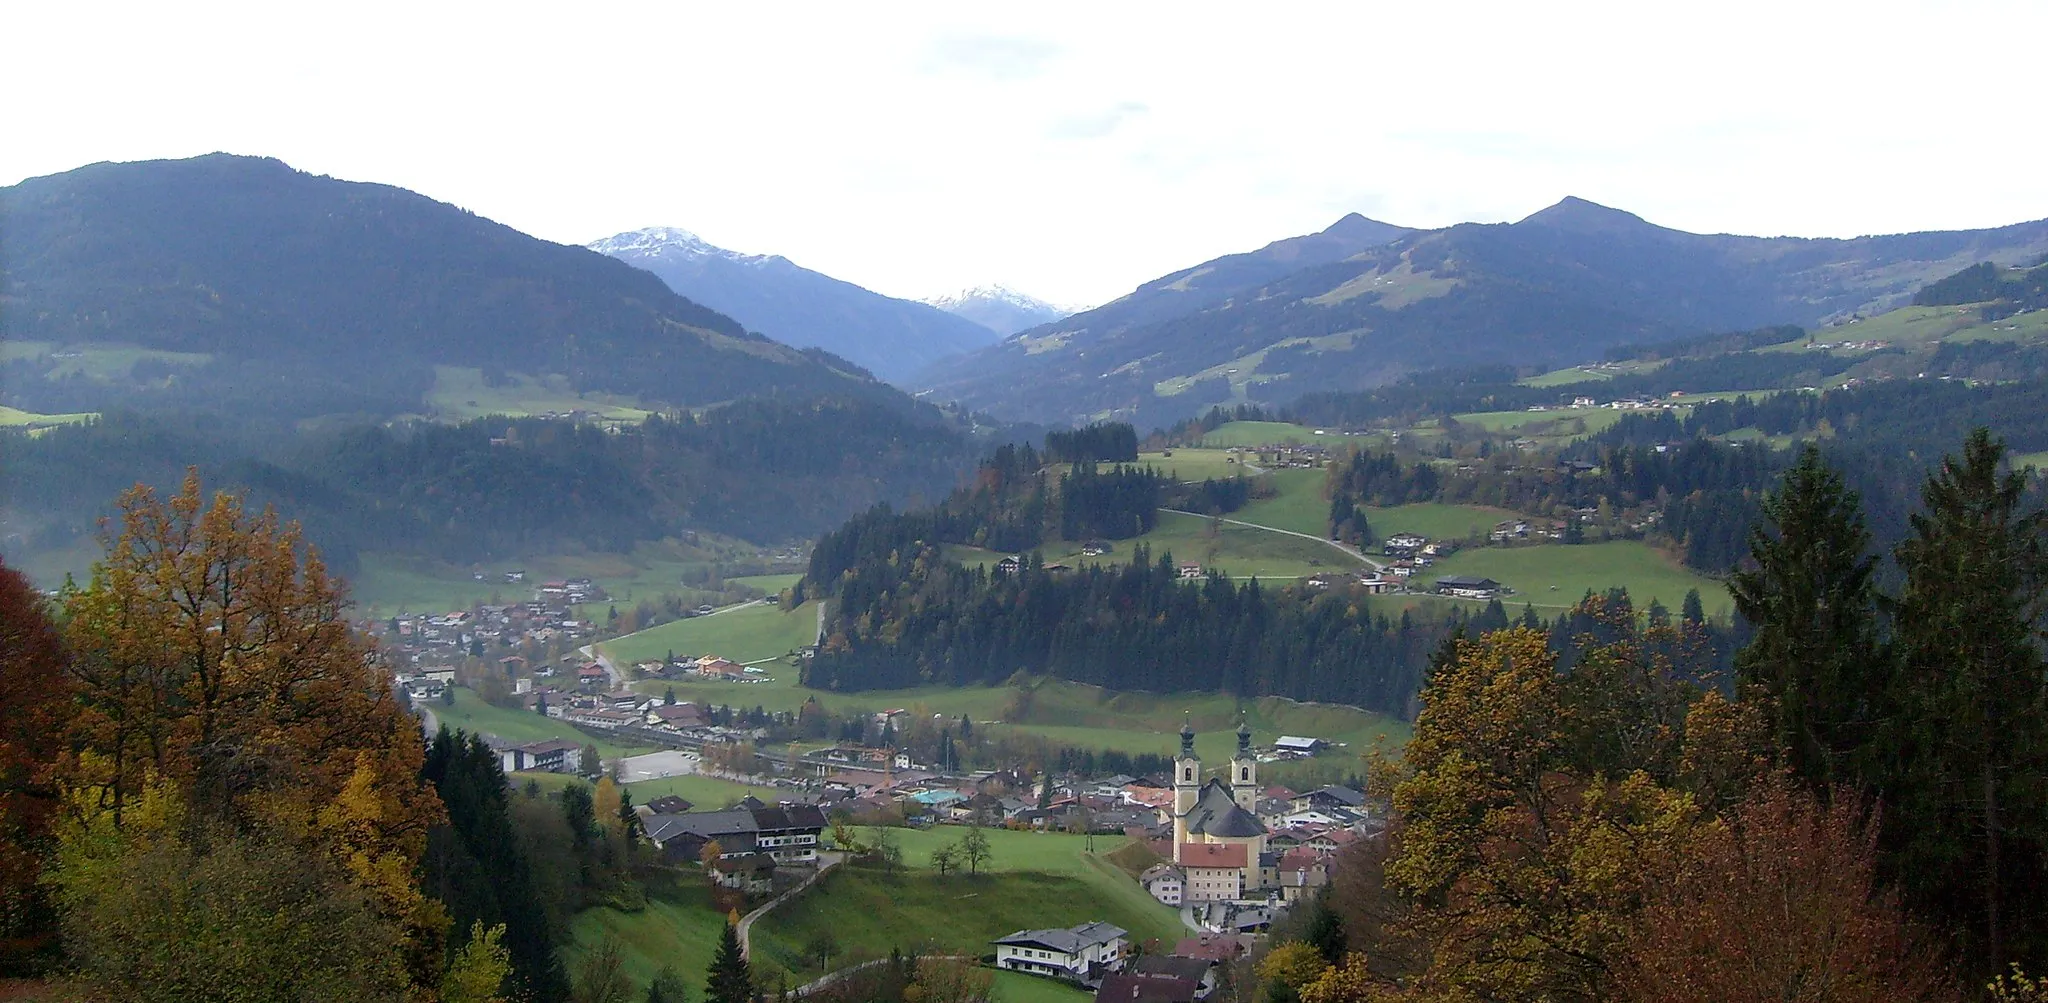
(1557, 576)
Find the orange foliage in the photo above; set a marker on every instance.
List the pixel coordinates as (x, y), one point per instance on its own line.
(33, 695)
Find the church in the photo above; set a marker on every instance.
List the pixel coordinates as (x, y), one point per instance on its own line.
(1219, 844)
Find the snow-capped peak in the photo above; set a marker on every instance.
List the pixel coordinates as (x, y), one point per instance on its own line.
(994, 294)
(665, 242)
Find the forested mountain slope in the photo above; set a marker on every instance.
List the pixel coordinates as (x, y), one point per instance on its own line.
(1559, 286)
(238, 283)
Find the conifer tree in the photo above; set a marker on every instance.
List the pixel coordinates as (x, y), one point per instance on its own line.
(730, 979)
(1971, 815)
(1811, 600)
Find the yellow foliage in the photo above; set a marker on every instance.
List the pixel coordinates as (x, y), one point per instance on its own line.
(477, 972)
(1292, 964)
(1349, 982)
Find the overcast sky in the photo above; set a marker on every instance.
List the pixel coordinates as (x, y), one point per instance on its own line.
(1071, 151)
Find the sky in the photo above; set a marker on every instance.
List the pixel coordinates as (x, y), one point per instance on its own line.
(1071, 151)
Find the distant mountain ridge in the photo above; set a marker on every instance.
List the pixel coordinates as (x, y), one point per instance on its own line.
(999, 308)
(1364, 302)
(295, 295)
(790, 303)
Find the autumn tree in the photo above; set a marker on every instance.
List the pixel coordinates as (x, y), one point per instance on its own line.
(34, 693)
(210, 650)
(1781, 905)
(975, 849)
(601, 975)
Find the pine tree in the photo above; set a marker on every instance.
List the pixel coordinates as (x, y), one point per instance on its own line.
(729, 979)
(1693, 613)
(1971, 815)
(1811, 599)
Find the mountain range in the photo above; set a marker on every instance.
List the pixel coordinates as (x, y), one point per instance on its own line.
(1365, 302)
(233, 283)
(1001, 309)
(891, 337)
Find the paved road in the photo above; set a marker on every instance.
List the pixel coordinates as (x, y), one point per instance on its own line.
(826, 861)
(1348, 550)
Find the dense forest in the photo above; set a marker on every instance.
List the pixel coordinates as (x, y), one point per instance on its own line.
(761, 470)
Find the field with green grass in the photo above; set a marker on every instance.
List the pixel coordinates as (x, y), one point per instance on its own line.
(1918, 326)
(470, 713)
(459, 394)
(1017, 987)
(386, 584)
(1556, 423)
(2021, 461)
(1259, 433)
(1193, 464)
(101, 362)
(866, 912)
(705, 793)
(679, 927)
(1300, 505)
(1557, 576)
(1435, 521)
(17, 418)
(744, 635)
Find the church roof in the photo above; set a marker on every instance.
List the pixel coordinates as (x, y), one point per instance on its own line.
(1235, 823)
(1216, 814)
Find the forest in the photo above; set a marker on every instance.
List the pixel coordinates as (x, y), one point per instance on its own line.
(1855, 814)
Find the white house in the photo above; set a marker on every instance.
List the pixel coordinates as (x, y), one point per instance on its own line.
(1083, 953)
(1165, 882)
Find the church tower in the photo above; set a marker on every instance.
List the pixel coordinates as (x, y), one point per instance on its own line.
(1244, 770)
(1187, 786)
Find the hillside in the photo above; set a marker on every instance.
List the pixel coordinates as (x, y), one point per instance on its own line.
(797, 306)
(1002, 310)
(233, 283)
(1560, 286)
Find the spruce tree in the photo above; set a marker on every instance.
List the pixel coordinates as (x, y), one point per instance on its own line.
(1968, 812)
(729, 980)
(1811, 600)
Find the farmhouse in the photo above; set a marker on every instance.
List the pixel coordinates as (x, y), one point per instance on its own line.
(1165, 883)
(714, 667)
(1085, 953)
(1469, 587)
(554, 755)
(788, 833)
(1296, 745)
(1190, 571)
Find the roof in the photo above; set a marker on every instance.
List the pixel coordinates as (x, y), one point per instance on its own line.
(1341, 795)
(1129, 987)
(1213, 946)
(1069, 941)
(1236, 823)
(1158, 871)
(1192, 969)
(1297, 742)
(548, 745)
(1466, 582)
(744, 863)
(1214, 855)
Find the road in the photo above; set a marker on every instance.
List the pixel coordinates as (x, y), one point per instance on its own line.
(827, 860)
(618, 678)
(1348, 550)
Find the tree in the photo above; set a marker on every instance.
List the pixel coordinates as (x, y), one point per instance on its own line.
(949, 980)
(975, 849)
(1971, 822)
(945, 858)
(668, 699)
(668, 987)
(1812, 602)
(34, 691)
(1293, 964)
(729, 979)
(477, 972)
(591, 763)
(601, 976)
(1781, 904)
(1326, 930)
(1693, 612)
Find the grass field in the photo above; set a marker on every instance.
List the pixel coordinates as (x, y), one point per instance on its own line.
(1557, 576)
(472, 714)
(866, 912)
(459, 394)
(1194, 464)
(17, 418)
(1017, 987)
(2021, 461)
(1258, 433)
(679, 927)
(705, 793)
(386, 584)
(1300, 505)
(102, 362)
(1563, 423)
(743, 635)
(1435, 521)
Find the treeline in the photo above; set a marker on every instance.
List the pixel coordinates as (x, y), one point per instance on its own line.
(761, 470)
(1105, 442)
(1860, 817)
(2004, 291)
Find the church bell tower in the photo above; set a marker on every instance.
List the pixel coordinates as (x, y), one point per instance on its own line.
(1244, 770)
(1187, 786)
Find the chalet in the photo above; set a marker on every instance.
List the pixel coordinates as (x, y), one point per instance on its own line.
(1330, 797)
(554, 755)
(1295, 745)
(591, 673)
(1470, 587)
(787, 833)
(678, 716)
(1403, 544)
(1085, 953)
(753, 873)
(1010, 565)
(1095, 548)
(714, 667)
(1190, 571)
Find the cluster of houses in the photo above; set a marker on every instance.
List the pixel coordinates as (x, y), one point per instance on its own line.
(1100, 955)
(715, 668)
(1283, 455)
(425, 639)
(744, 846)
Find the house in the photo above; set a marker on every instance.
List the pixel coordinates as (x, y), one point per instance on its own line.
(1190, 571)
(512, 665)
(678, 716)
(1301, 873)
(1213, 947)
(1131, 987)
(1403, 544)
(1200, 971)
(667, 804)
(1469, 587)
(1215, 872)
(753, 873)
(1010, 565)
(714, 667)
(1330, 797)
(443, 674)
(1296, 745)
(554, 755)
(787, 833)
(591, 673)
(1165, 883)
(1376, 586)
(1084, 953)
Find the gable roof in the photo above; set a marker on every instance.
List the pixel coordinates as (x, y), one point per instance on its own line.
(1233, 855)
(1069, 941)
(1192, 969)
(1131, 987)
